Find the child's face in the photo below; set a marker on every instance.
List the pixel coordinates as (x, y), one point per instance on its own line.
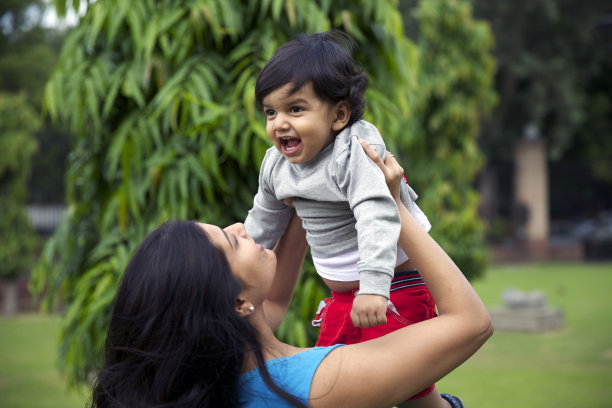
(300, 124)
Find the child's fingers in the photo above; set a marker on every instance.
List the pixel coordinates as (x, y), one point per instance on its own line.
(355, 318)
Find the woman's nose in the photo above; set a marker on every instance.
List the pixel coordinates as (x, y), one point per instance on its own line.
(238, 229)
(242, 230)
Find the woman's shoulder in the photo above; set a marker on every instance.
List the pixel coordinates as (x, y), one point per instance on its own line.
(302, 357)
(297, 358)
(293, 373)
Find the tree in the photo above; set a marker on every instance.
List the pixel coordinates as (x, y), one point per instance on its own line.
(25, 57)
(160, 97)
(552, 77)
(455, 91)
(596, 59)
(28, 52)
(18, 122)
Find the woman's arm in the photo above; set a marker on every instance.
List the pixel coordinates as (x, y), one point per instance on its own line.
(390, 369)
(290, 251)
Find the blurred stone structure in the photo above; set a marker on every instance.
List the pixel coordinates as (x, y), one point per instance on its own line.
(526, 312)
(531, 201)
(45, 218)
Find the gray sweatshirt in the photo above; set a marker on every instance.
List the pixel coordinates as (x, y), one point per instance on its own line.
(343, 201)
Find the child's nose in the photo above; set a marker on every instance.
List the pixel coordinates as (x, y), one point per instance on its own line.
(280, 122)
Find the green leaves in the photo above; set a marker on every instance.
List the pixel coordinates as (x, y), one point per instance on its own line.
(18, 241)
(455, 90)
(160, 98)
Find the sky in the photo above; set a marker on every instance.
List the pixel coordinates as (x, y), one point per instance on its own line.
(50, 19)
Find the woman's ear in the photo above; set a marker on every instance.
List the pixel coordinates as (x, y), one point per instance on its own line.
(342, 110)
(244, 307)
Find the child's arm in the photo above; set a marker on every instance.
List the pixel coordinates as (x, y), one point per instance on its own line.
(407, 360)
(269, 217)
(377, 224)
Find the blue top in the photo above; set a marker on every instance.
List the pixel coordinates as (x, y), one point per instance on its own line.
(293, 374)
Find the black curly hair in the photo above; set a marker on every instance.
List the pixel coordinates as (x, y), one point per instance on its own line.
(322, 59)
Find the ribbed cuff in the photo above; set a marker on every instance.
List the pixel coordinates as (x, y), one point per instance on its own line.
(374, 283)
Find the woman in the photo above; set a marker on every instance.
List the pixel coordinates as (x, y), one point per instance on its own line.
(194, 317)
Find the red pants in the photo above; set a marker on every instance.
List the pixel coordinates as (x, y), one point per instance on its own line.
(411, 302)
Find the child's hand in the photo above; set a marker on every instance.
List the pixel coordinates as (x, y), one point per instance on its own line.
(369, 310)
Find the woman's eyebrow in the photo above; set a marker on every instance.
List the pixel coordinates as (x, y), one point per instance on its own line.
(227, 237)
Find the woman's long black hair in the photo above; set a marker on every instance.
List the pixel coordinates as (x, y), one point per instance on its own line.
(175, 338)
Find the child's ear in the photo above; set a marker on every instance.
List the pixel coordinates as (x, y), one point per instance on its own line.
(343, 114)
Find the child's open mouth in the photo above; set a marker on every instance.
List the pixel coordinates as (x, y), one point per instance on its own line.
(290, 145)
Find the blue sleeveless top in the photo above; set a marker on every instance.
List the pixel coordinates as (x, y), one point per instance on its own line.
(293, 374)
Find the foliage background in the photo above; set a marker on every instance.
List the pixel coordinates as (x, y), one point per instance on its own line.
(159, 96)
(18, 241)
(554, 59)
(24, 61)
(28, 53)
(549, 53)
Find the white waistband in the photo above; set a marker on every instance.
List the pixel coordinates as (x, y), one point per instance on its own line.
(343, 267)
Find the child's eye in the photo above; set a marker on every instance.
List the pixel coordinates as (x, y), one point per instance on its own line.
(269, 112)
(296, 109)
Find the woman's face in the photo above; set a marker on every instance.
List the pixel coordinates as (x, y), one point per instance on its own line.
(253, 265)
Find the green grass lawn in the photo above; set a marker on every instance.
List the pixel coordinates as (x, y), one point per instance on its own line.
(568, 368)
(28, 371)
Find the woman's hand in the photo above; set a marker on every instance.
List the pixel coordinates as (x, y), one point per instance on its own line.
(390, 167)
(383, 371)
